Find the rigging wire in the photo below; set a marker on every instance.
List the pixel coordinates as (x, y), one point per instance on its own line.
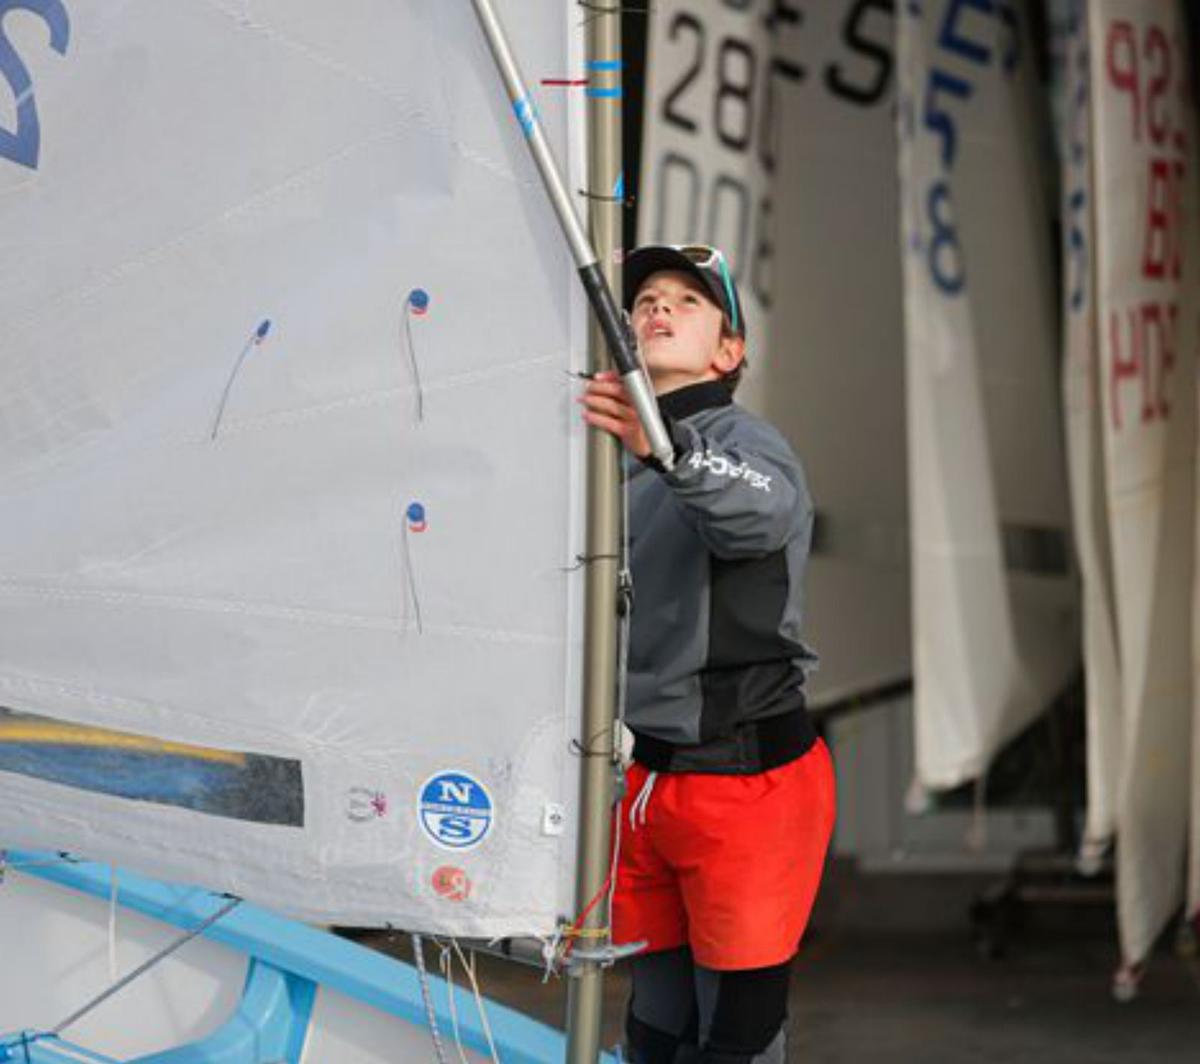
(430, 1016)
(231, 904)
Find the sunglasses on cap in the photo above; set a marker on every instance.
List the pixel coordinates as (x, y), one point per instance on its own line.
(706, 257)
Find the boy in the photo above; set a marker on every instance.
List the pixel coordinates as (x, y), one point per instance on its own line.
(730, 800)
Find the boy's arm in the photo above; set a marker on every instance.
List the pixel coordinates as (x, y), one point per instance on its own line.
(746, 495)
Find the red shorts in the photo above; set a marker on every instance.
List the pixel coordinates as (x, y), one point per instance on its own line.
(728, 865)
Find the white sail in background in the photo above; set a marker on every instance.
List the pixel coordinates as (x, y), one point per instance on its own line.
(1148, 276)
(995, 625)
(835, 382)
(712, 130)
(1084, 418)
(288, 462)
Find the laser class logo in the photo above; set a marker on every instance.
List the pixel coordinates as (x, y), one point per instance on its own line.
(455, 810)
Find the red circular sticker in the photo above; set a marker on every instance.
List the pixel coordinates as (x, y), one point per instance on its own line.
(451, 883)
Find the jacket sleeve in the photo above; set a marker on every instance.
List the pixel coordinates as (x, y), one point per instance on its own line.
(746, 495)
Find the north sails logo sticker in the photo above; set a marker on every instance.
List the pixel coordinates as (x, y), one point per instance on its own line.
(455, 810)
(723, 467)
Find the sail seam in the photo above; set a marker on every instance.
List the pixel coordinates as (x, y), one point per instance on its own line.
(295, 415)
(296, 614)
(412, 111)
(96, 285)
(377, 397)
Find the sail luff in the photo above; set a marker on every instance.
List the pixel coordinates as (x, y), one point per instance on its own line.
(261, 636)
(609, 344)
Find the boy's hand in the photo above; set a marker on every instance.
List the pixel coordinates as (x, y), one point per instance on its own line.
(606, 406)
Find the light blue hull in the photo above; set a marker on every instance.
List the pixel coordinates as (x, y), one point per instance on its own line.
(303, 995)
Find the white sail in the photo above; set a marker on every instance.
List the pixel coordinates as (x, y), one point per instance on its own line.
(288, 462)
(835, 381)
(1147, 280)
(1084, 419)
(995, 624)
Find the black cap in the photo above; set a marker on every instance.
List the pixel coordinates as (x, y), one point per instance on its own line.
(706, 264)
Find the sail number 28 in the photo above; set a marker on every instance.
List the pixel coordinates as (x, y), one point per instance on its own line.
(729, 69)
(22, 145)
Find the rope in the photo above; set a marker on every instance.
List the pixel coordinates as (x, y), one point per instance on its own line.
(603, 197)
(550, 954)
(625, 618)
(588, 559)
(559, 947)
(412, 357)
(587, 932)
(255, 340)
(576, 930)
(413, 596)
(469, 968)
(431, 1017)
(624, 624)
(446, 963)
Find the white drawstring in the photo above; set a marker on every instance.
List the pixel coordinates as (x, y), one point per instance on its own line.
(637, 811)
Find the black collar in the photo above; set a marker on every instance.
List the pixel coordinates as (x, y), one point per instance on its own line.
(691, 399)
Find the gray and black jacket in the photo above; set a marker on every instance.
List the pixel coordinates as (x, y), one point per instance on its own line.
(718, 548)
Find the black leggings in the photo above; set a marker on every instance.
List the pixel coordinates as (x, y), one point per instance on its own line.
(680, 1012)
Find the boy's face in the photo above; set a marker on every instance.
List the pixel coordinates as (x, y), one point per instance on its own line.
(679, 328)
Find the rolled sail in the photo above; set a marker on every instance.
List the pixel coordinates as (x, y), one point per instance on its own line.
(995, 621)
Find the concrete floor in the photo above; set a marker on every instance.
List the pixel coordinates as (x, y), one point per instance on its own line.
(891, 972)
(894, 974)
